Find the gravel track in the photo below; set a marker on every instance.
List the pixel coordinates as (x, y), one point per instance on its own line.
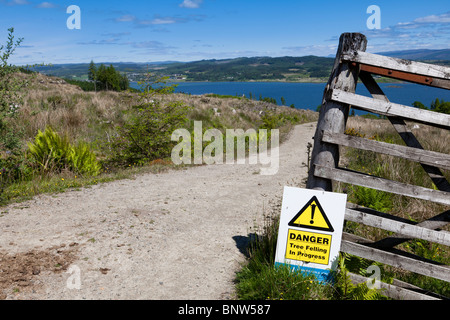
(175, 235)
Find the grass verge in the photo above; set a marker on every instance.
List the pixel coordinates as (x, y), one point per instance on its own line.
(259, 279)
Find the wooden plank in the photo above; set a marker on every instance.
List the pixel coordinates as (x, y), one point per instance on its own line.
(394, 292)
(382, 184)
(333, 115)
(412, 231)
(410, 77)
(413, 154)
(427, 269)
(436, 222)
(403, 65)
(372, 244)
(394, 109)
(373, 87)
(408, 137)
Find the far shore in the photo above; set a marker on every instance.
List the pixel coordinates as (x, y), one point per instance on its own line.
(306, 80)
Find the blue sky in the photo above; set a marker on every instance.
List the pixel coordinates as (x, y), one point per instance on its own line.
(188, 30)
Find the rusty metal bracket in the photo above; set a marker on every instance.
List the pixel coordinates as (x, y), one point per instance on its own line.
(410, 77)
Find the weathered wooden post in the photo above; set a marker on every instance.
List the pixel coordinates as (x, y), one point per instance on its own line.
(333, 115)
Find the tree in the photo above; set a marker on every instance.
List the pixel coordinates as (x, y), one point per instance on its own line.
(101, 77)
(419, 105)
(10, 94)
(110, 79)
(437, 106)
(124, 84)
(146, 135)
(442, 106)
(92, 74)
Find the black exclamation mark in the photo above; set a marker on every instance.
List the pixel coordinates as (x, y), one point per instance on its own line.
(313, 208)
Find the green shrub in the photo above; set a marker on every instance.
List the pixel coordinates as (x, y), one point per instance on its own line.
(83, 160)
(49, 150)
(11, 87)
(146, 134)
(52, 152)
(13, 168)
(272, 121)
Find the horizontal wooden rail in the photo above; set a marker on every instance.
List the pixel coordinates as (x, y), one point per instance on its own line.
(392, 109)
(382, 184)
(410, 77)
(409, 230)
(395, 291)
(424, 268)
(419, 155)
(436, 222)
(402, 65)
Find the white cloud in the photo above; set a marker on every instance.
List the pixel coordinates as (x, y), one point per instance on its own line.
(427, 21)
(100, 42)
(17, 2)
(191, 4)
(443, 18)
(126, 18)
(46, 5)
(156, 21)
(431, 31)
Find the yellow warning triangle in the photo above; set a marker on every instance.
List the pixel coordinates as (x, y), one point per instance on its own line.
(312, 216)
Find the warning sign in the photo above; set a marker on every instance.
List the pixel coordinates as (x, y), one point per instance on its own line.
(310, 231)
(312, 216)
(308, 246)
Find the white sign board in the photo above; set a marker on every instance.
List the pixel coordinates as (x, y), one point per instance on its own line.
(310, 232)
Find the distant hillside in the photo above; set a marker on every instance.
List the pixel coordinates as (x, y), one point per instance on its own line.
(294, 69)
(80, 70)
(256, 68)
(239, 69)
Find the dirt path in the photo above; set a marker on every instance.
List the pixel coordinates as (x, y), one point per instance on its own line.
(175, 235)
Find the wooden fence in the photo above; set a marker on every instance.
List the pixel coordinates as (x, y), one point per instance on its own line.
(352, 62)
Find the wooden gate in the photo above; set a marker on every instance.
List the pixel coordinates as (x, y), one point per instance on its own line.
(352, 62)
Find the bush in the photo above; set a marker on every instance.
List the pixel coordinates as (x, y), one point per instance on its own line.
(52, 152)
(14, 168)
(10, 95)
(146, 135)
(83, 160)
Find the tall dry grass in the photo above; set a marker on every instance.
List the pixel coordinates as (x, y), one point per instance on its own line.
(92, 117)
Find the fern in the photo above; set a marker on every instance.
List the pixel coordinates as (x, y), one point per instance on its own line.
(50, 150)
(53, 152)
(83, 160)
(344, 286)
(371, 198)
